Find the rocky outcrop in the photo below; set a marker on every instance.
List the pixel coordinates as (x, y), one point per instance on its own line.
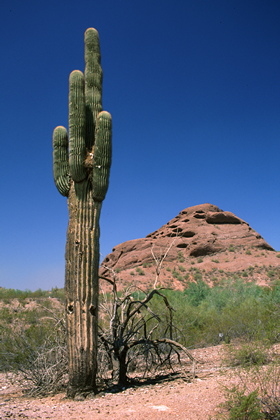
(200, 231)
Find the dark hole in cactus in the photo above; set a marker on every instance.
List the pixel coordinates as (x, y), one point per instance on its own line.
(70, 309)
(92, 310)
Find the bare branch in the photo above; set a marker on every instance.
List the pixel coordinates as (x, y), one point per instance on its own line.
(159, 260)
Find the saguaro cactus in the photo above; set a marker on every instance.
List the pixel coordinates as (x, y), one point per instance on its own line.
(81, 167)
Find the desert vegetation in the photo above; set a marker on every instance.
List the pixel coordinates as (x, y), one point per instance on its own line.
(256, 393)
(142, 327)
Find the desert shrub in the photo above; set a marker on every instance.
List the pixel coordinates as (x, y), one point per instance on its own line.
(248, 354)
(197, 292)
(271, 273)
(256, 396)
(136, 333)
(233, 308)
(187, 323)
(197, 276)
(247, 320)
(7, 294)
(241, 406)
(268, 381)
(147, 265)
(58, 293)
(43, 364)
(33, 344)
(180, 257)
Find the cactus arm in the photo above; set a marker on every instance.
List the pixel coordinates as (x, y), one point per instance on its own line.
(60, 160)
(77, 128)
(93, 82)
(102, 155)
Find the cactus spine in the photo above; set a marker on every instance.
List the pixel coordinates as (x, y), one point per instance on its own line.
(81, 166)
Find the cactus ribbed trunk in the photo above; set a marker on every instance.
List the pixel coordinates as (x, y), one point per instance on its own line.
(81, 173)
(81, 287)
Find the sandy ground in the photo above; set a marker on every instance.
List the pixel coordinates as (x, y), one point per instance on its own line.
(173, 399)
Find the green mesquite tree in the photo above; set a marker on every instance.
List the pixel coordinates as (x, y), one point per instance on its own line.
(81, 167)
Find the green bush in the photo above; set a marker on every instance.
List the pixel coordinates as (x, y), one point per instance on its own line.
(271, 273)
(33, 344)
(256, 396)
(232, 308)
(180, 257)
(7, 294)
(197, 292)
(239, 406)
(248, 354)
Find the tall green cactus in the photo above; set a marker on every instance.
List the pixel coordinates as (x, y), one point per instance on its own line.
(81, 167)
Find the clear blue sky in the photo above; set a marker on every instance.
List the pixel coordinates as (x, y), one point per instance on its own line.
(194, 90)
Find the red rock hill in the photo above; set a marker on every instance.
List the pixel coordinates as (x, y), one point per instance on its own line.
(203, 241)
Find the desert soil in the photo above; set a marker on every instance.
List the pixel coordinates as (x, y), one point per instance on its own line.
(180, 398)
